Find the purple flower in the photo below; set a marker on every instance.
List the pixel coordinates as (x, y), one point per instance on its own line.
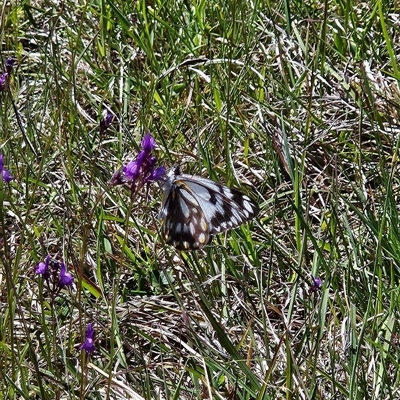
(43, 268)
(88, 345)
(5, 76)
(142, 169)
(148, 143)
(4, 173)
(9, 64)
(66, 278)
(157, 174)
(316, 285)
(4, 82)
(132, 169)
(106, 120)
(7, 177)
(117, 178)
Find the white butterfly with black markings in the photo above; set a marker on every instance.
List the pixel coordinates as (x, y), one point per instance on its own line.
(194, 208)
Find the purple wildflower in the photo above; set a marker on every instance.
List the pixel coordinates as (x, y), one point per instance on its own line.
(7, 177)
(117, 178)
(142, 169)
(106, 120)
(9, 64)
(5, 174)
(132, 169)
(66, 278)
(4, 81)
(316, 285)
(43, 268)
(5, 76)
(148, 143)
(157, 174)
(88, 345)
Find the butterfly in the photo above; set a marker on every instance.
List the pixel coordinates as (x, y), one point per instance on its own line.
(194, 208)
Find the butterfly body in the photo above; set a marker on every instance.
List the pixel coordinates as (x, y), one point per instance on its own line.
(194, 208)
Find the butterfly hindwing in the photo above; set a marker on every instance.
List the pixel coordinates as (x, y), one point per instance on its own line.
(194, 208)
(185, 225)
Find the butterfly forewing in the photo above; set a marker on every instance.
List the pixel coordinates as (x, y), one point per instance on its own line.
(185, 225)
(194, 208)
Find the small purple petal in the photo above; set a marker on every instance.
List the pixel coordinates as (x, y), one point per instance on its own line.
(106, 120)
(317, 282)
(9, 64)
(66, 278)
(7, 177)
(131, 171)
(118, 178)
(148, 143)
(142, 158)
(151, 161)
(157, 174)
(316, 285)
(43, 268)
(3, 81)
(88, 345)
(4, 173)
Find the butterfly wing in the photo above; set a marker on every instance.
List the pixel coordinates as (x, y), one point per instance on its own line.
(224, 207)
(185, 225)
(194, 208)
